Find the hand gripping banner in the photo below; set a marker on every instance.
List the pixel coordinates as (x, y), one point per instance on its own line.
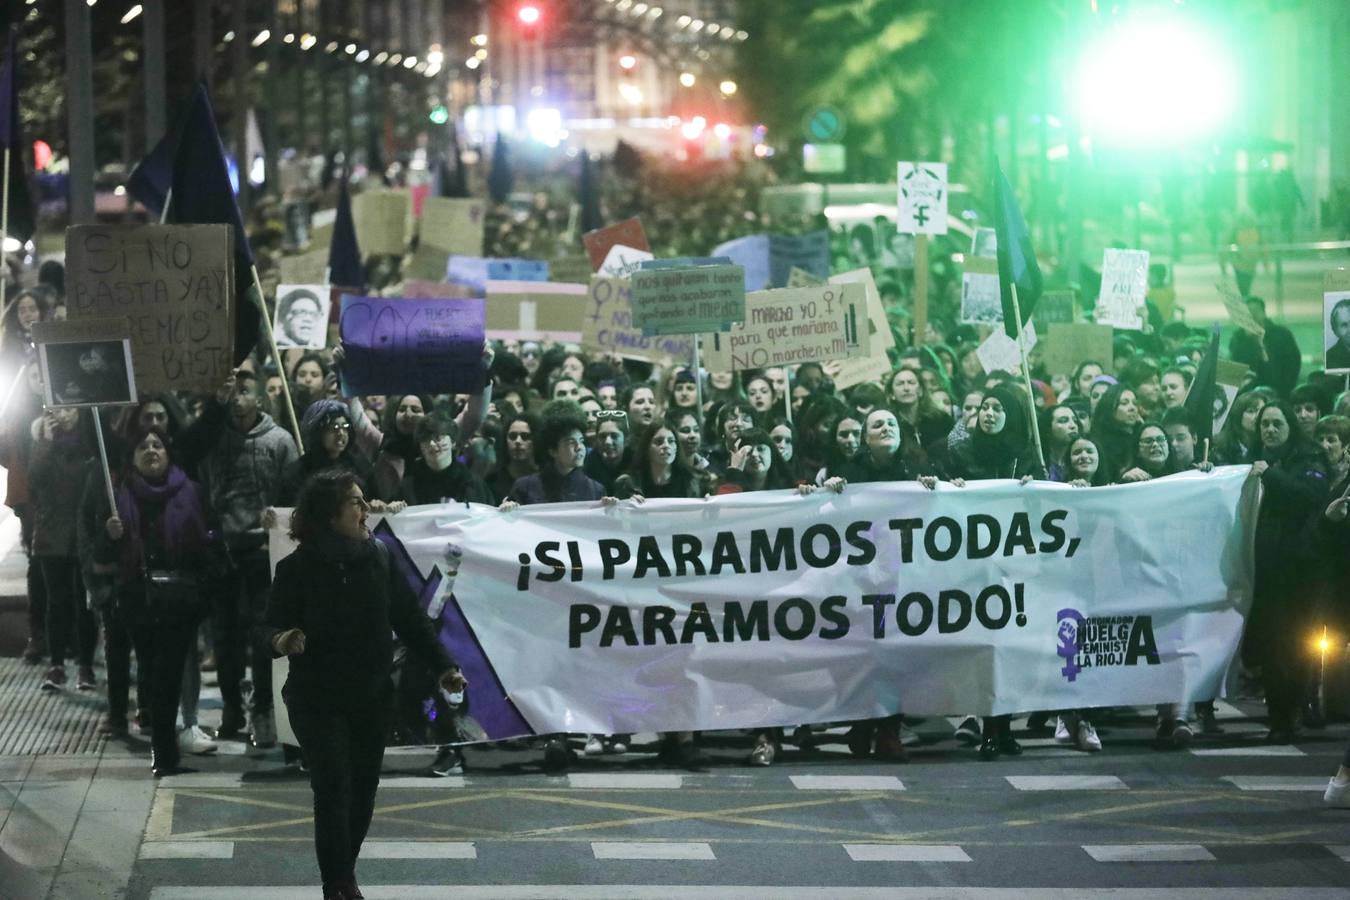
(769, 608)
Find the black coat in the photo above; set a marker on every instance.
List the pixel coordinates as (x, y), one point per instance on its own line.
(455, 483)
(347, 604)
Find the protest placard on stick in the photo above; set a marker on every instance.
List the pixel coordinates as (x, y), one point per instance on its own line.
(535, 310)
(1055, 307)
(174, 283)
(86, 362)
(1238, 312)
(980, 302)
(1124, 288)
(628, 233)
(877, 363)
(452, 225)
(383, 221)
(427, 346)
(688, 300)
(1336, 320)
(792, 326)
(608, 327)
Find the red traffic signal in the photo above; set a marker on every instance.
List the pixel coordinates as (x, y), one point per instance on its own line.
(528, 15)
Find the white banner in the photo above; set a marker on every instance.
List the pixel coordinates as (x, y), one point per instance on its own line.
(769, 608)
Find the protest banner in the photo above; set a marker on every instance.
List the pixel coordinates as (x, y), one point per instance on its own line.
(535, 310)
(1124, 288)
(980, 302)
(398, 344)
(628, 233)
(1336, 320)
(688, 300)
(176, 285)
(800, 278)
(608, 327)
(792, 326)
(301, 316)
(1056, 307)
(453, 225)
(877, 363)
(86, 362)
(693, 614)
(1238, 313)
(921, 206)
(1000, 353)
(383, 220)
(1068, 344)
(305, 268)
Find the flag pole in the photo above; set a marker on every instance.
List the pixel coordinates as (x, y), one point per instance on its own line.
(698, 383)
(4, 229)
(1026, 376)
(103, 458)
(164, 212)
(276, 354)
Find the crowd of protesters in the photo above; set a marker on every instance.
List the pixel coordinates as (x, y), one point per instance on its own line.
(173, 569)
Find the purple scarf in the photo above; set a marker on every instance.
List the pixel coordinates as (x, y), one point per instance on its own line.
(180, 526)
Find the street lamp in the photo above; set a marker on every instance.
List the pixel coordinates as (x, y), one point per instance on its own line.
(728, 87)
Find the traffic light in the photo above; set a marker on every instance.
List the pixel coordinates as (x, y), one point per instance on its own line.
(439, 115)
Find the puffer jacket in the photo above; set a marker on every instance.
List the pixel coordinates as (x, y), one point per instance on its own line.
(243, 476)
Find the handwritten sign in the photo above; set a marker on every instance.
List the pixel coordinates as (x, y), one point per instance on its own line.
(877, 364)
(570, 269)
(383, 221)
(921, 206)
(608, 327)
(420, 346)
(175, 283)
(1124, 287)
(1055, 306)
(622, 261)
(1068, 344)
(452, 225)
(980, 303)
(688, 301)
(535, 310)
(1238, 312)
(628, 233)
(792, 326)
(1000, 353)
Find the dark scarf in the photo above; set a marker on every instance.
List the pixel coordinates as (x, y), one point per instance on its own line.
(337, 548)
(172, 507)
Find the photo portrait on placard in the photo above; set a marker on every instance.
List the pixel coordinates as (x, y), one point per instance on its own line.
(302, 316)
(87, 373)
(1336, 324)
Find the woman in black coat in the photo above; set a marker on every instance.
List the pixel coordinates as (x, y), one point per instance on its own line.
(332, 605)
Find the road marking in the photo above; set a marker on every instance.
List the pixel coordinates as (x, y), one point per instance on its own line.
(187, 850)
(1254, 750)
(1341, 850)
(847, 783)
(1148, 853)
(905, 853)
(651, 850)
(594, 780)
(424, 783)
(735, 892)
(203, 780)
(418, 850)
(1066, 782)
(1275, 783)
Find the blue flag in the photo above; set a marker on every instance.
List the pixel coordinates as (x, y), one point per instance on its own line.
(1016, 257)
(500, 177)
(1204, 388)
(589, 198)
(344, 254)
(190, 161)
(9, 92)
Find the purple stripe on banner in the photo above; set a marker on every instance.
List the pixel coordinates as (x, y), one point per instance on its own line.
(488, 704)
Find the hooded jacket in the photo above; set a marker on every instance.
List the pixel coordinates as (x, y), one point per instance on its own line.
(242, 476)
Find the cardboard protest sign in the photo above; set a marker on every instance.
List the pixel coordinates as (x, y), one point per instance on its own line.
(422, 290)
(921, 206)
(980, 302)
(628, 233)
(535, 310)
(984, 243)
(800, 278)
(86, 362)
(301, 316)
(688, 301)
(395, 345)
(608, 327)
(1238, 312)
(175, 283)
(427, 264)
(383, 221)
(304, 268)
(1055, 307)
(999, 353)
(573, 269)
(1336, 319)
(622, 261)
(1124, 288)
(877, 364)
(1068, 344)
(452, 225)
(791, 326)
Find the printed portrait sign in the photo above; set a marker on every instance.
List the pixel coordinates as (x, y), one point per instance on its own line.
(86, 362)
(921, 206)
(1336, 320)
(301, 320)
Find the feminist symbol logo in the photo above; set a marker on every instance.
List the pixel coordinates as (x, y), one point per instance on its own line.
(1069, 622)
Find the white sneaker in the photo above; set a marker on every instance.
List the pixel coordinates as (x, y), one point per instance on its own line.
(194, 740)
(1338, 794)
(1087, 737)
(617, 744)
(1062, 735)
(593, 746)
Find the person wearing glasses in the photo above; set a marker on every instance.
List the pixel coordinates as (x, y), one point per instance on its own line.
(301, 321)
(559, 450)
(327, 429)
(1152, 454)
(335, 602)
